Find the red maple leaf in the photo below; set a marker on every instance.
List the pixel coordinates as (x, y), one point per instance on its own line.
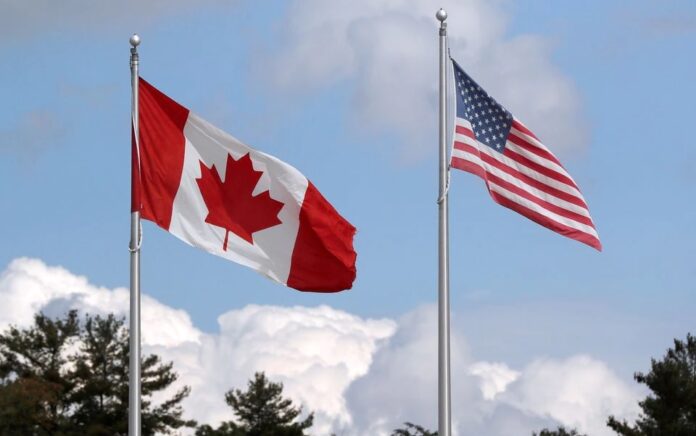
(231, 204)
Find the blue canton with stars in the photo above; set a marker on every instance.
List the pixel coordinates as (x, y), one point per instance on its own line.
(490, 121)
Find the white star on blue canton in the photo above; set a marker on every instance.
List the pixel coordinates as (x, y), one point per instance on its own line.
(489, 121)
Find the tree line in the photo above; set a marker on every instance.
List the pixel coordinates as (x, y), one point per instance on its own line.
(68, 376)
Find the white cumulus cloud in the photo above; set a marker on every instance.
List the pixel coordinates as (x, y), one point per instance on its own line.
(316, 352)
(361, 377)
(579, 392)
(494, 378)
(488, 398)
(28, 286)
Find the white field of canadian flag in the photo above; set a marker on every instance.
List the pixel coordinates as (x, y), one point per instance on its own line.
(216, 193)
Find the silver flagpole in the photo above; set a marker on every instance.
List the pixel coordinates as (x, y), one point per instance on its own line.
(134, 426)
(444, 407)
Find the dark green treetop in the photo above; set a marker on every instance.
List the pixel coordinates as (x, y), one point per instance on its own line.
(60, 377)
(410, 429)
(560, 431)
(671, 407)
(261, 410)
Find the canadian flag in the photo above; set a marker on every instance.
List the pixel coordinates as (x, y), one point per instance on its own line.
(217, 193)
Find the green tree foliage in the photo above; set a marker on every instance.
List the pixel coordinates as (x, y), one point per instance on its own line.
(226, 429)
(671, 408)
(34, 384)
(261, 410)
(560, 431)
(60, 377)
(410, 429)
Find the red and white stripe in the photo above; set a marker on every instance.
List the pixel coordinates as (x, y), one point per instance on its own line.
(528, 179)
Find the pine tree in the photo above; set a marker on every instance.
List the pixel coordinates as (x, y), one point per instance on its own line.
(560, 431)
(671, 408)
(410, 429)
(261, 410)
(101, 371)
(34, 387)
(225, 429)
(61, 378)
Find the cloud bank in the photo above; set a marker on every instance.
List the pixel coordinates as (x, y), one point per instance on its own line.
(360, 376)
(387, 51)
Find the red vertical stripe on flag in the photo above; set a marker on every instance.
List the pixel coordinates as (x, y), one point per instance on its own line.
(135, 176)
(162, 144)
(323, 259)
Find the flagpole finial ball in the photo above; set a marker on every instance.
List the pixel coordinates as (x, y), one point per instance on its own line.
(441, 15)
(135, 40)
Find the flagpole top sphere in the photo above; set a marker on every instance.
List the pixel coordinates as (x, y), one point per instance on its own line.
(135, 40)
(441, 15)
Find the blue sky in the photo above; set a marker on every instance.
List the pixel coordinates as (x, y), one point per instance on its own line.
(518, 291)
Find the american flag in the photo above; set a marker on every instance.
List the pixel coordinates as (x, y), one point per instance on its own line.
(520, 172)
